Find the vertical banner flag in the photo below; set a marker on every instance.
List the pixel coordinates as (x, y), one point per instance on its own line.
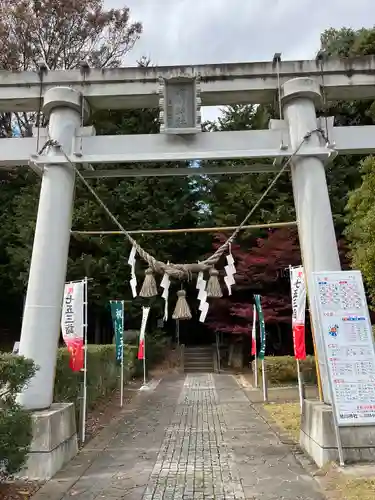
(298, 288)
(262, 350)
(117, 312)
(72, 323)
(254, 333)
(141, 348)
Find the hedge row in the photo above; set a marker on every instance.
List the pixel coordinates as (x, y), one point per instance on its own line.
(282, 370)
(102, 374)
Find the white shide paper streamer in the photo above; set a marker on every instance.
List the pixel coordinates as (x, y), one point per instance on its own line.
(230, 271)
(165, 283)
(133, 280)
(202, 297)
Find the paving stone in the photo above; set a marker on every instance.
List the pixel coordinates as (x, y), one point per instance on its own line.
(196, 438)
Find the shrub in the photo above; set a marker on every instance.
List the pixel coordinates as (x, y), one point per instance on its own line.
(15, 422)
(282, 370)
(103, 374)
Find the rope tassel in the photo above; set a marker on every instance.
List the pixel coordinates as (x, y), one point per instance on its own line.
(149, 288)
(213, 286)
(182, 309)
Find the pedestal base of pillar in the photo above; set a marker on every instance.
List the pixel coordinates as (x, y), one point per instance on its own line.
(54, 441)
(318, 437)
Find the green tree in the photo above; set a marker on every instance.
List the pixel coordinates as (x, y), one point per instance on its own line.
(354, 176)
(140, 204)
(360, 230)
(85, 30)
(61, 34)
(231, 197)
(344, 173)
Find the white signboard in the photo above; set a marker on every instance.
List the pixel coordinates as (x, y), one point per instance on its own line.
(349, 346)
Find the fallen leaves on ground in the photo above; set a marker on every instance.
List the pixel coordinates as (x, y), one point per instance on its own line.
(18, 491)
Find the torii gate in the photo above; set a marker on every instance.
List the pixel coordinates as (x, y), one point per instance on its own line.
(68, 97)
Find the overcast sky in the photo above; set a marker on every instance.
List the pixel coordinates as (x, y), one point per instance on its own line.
(215, 31)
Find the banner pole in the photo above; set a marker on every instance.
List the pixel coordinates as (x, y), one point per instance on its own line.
(317, 368)
(85, 362)
(300, 384)
(255, 344)
(142, 342)
(144, 360)
(262, 351)
(264, 381)
(122, 358)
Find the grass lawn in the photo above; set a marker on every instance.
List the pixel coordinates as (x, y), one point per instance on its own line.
(336, 484)
(347, 488)
(286, 416)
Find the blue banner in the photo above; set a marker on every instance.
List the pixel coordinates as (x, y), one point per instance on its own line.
(117, 312)
(262, 327)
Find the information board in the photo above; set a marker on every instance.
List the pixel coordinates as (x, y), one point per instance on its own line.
(349, 346)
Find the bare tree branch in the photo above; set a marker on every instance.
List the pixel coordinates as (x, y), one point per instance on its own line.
(62, 34)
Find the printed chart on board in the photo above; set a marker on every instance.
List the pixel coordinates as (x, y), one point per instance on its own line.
(347, 335)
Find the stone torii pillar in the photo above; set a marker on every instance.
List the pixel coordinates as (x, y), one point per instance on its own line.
(42, 313)
(315, 223)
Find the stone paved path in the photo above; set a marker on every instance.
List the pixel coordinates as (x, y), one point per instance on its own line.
(192, 438)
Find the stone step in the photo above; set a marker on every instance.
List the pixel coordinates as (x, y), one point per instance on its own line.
(199, 360)
(199, 366)
(200, 356)
(198, 348)
(194, 352)
(199, 370)
(208, 362)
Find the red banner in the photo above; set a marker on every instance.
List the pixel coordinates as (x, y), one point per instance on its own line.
(298, 289)
(76, 351)
(141, 349)
(299, 341)
(72, 323)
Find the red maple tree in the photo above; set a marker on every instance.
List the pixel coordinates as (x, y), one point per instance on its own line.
(262, 268)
